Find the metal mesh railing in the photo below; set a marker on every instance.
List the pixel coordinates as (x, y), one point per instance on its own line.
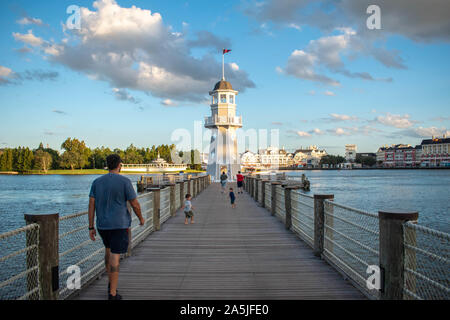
(427, 262)
(268, 196)
(280, 209)
(76, 248)
(351, 242)
(138, 232)
(19, 273)
(302, 216)
(260, 191)
(164, 205)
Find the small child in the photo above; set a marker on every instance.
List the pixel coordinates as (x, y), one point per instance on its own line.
(232, 198)
(188, 209)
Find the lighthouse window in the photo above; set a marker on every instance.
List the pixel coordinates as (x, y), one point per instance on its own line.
(223, 98)
(231, 99)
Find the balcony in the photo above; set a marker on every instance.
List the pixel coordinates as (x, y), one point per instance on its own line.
(223, 121)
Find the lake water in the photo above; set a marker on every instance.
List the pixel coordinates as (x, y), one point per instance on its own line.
(425, 191)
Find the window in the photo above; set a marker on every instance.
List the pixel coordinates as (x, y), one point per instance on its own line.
(231, 99)
(223, 98)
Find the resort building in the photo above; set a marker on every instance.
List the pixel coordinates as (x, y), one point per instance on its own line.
(399, 156)
(250, 160)
(273, 157)
(308, 157)
(436, 152)
(350, 152)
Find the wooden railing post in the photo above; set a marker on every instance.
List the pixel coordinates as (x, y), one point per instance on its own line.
(256, 188)
(392, 252)
(182, 194)
(48, 253)
(172, 199)
(273, 199)
(156, 208)
(288, 204)
(188, 189)
(263, 187)
(319, 221)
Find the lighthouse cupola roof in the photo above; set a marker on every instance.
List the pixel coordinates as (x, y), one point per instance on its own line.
(223, 85)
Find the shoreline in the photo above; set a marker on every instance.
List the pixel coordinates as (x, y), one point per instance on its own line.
(86, 172)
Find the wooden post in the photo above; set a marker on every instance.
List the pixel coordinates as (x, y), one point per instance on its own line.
(288, 204)
(319, 221)
(182, 194)
(48, 253)
(179, 185)
(197, 185)
(188, 189)
(172, 199)
(263, 193)
(392, 252)
(273, 199)
(256, 188)
(156, 208)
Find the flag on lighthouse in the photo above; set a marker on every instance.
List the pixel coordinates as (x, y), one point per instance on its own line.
(225, 51)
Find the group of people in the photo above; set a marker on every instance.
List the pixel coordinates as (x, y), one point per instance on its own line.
(240, 185)
(108, 200)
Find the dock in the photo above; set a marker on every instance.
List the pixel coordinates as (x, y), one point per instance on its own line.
(242, 253)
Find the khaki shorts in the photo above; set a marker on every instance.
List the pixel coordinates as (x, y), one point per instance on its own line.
(189, 214)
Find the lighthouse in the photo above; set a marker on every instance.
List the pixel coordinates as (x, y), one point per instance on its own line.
(223, 122)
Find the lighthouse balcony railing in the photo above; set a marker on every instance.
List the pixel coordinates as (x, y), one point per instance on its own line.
(223, 120)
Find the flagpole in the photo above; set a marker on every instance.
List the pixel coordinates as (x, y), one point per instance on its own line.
(223, 66)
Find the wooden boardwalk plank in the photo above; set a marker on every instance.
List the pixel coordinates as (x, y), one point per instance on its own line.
(242, 253)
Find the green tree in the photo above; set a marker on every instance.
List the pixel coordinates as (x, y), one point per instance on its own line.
(42, 160)
(332, 160)
(368, 161)
(76, 154)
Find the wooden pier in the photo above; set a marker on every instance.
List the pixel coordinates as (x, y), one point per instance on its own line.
(242, 253)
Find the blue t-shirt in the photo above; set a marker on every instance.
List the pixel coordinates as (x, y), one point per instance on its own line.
(111, 192)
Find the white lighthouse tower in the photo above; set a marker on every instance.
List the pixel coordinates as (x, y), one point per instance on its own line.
(223, 122)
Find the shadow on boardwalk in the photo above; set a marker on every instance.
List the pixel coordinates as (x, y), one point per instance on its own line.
(242, 253)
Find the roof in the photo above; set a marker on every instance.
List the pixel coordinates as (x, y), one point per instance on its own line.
(223, 85)
(436, 141)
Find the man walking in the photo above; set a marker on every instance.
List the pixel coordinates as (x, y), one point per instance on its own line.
(108, 198)
(240, 182)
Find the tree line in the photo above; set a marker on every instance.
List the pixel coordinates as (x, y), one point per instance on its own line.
(76, 155)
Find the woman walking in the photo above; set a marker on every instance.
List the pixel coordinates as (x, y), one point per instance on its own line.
(223, 181)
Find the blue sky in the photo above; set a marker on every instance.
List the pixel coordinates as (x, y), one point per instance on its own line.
(295, 71)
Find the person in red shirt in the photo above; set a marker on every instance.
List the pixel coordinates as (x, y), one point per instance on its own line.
(240, 182)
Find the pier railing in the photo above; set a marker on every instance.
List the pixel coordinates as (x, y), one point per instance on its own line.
(40, 260)
(19, 261)
(386, 255)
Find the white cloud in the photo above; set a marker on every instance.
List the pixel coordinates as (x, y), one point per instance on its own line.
(317, 131)
(422, 132)
(395, 120)
(295, 26)
(168, 102)
(28, 38)
(342, 117)
(124, 95)
(339, 132)
(132, 48)
(326, 53)
(29, 20)
(4, 71)
(234, 66)
(329, 93)
(303, 134)
(415, 19)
